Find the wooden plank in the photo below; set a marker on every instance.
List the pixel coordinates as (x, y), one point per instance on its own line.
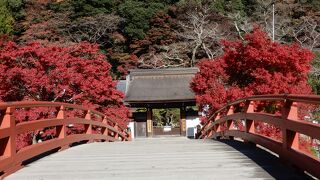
(159, 158)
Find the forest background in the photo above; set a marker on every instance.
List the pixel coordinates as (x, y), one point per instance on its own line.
(160, 33)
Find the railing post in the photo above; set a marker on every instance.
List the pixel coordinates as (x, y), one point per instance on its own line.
(217, 117)
(105, 131)
(230, 110)
(293, 112)
(61, 129)
(230, 123)
(88, 127)
(129, 135)
(9, 121)
(249, 107)
(290, 139)
(116, 135)
(217, 128)
(250, 126)
(205, 129)
(249, 122)
(210, 134)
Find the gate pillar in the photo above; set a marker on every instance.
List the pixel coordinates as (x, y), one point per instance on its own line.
(149, 123)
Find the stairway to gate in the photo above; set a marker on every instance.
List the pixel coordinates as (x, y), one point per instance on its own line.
(160, 158)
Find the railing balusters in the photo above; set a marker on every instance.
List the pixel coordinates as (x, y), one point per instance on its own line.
(293, 113)
(290, 139)
(249, 107)
(217, 116)
(288, 122)
(230, 110)
(105, 130)
(230, 123)
(10, 159)
(210, 134)
(250, 126)
(217, 128)
(249, 123)
(116, 135)
(9, 122)
(88, 127)
(61, 129)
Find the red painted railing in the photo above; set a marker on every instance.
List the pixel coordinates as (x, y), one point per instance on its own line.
(227, 122)
(96, 127)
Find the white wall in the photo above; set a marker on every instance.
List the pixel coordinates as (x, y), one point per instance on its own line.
(191, 124)
(131, 126)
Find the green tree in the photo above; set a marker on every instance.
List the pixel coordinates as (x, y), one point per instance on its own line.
(10, 11)
(218, 6)
(237, 6)
(250, 6)
(161, 116)
(137, 15)
(6, 19)
(16, 8)
(92, 7)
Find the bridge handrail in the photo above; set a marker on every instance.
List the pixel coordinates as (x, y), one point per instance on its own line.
(11, 160)
(314, 99)
(220, 124)
(30, 104)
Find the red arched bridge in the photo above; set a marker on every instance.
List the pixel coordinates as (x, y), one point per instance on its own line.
(279, 126)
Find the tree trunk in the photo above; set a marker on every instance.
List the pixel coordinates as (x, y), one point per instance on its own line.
(194, 51)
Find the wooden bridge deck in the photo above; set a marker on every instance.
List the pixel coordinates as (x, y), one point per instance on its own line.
(162, 158)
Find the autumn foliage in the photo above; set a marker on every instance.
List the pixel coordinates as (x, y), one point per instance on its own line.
(78, 74)
(252, 67)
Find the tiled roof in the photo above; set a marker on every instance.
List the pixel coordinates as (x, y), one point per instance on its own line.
(160, 85)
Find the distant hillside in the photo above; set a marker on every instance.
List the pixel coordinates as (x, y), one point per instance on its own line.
(157, 33)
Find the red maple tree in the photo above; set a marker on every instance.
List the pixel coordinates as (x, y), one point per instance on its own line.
(78, 74)
(252, 67)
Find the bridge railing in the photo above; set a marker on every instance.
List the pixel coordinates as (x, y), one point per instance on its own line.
(253, 118)
(95, 127)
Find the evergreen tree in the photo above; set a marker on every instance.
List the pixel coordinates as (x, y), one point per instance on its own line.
(6, 20)
(137, 15)
(92, 7)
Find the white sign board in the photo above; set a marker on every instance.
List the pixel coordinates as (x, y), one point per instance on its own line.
(166, 128)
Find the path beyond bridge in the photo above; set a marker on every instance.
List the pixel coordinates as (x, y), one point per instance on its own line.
(171, 158)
